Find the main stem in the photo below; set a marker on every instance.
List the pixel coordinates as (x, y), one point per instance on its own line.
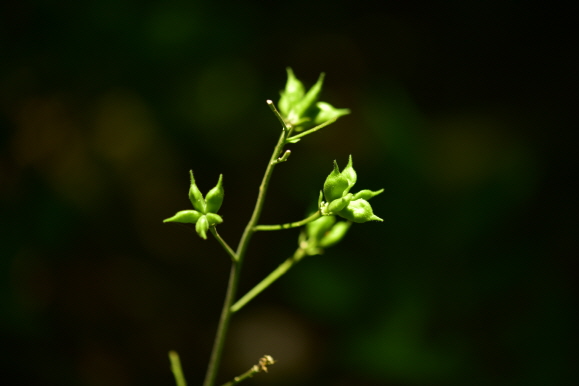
(226, 313)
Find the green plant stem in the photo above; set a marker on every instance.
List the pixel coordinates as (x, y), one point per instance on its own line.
(276, 274)
(310, 131)
(240, 378)
(225, 246)
(223, 326)
(286, 127)
(176, 368)
(264, 361)
(226, 313)
(249, 229)
(290, 225)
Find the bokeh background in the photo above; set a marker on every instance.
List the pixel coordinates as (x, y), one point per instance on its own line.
(463, 111)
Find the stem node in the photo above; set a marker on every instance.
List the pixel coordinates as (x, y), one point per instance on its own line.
(283, 158)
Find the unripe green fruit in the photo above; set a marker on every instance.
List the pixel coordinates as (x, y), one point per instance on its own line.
(202, 227)
(359, 211)
(214, 197)
(185, 216)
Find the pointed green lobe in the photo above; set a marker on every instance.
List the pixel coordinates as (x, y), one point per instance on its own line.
(335, 184)
(185, 217)
(202, 226)
(214, 197)
(359, 211)
(196, 197)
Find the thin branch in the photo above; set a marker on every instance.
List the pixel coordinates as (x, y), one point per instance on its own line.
(290, 225)
(284, 157)
(310, 131)
(225, 246)
(272, 277)
(286, 126)
(240, 378)
(264, 361)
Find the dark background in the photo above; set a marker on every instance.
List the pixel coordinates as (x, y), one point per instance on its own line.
(463, 111)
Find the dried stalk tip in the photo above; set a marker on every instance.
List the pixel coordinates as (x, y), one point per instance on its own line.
(265, 361)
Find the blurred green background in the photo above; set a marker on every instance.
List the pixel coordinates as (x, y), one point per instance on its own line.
(461, 110)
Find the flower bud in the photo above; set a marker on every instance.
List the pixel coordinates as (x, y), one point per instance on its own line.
(214, 197)
(359, 211)
(335, 234)
(196, 197)
(202, 226)
(185, 216)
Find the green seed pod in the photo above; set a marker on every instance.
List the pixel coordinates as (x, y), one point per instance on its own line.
(202, 227)
(326, 112)
(185, 216)
(299, 110)
(359, 211)
(335, 234)
(293, 93)
(335, 184)
(316, 229)
(214, 197)
(367, 194)
(196, 197)
(213, 219)
(350, 174)
(339, 204)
